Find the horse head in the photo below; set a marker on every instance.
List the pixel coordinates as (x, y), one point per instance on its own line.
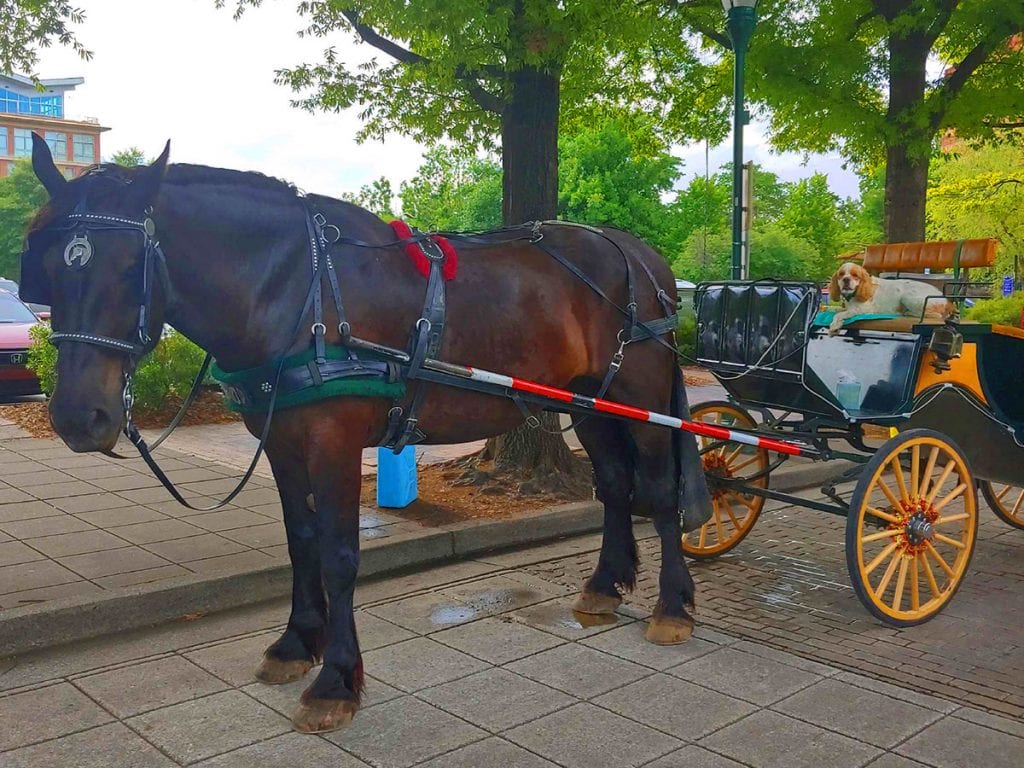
(92, 255)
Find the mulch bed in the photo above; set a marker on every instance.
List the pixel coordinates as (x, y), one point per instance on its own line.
(207, 409)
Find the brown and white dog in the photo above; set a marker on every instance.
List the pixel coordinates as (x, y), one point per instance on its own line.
(865, 294)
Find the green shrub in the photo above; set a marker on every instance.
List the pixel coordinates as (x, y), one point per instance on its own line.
(1002, 311)
(686, 337)
(167, 371)
(42, 357)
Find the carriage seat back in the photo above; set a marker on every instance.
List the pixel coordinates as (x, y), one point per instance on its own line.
(937, 256)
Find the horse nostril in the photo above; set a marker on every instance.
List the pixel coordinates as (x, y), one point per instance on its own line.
(98, 420)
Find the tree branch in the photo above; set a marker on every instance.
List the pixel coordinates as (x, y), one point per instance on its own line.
(977, 56)
(484, 98)
(1003, 126)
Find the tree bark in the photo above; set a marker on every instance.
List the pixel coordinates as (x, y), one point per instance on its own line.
(529, 138)
(909, 139)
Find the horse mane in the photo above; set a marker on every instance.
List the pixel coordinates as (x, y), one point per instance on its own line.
(186, 173)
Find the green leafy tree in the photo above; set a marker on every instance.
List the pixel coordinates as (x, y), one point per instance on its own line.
(774, 252)
(375, 197)
(812, 213)
(979, 192)
(32, 24)
(605, 178)
(20, 195)
(453, 190)
(129, 157)
(853, 76)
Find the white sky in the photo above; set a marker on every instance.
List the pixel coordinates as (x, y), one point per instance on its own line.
(180, 69)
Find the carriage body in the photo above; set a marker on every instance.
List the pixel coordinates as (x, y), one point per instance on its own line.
(890, 396)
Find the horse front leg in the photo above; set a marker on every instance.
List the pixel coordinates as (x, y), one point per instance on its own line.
(299, 649)
(333, 698)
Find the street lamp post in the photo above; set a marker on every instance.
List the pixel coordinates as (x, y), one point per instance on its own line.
(741, 18)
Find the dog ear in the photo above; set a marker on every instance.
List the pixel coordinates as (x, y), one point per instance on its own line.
(833, 288)
(865, 285)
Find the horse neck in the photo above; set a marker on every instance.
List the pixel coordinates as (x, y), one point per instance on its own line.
(237, 266)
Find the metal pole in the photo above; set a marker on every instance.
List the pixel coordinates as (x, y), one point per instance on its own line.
(740, 24)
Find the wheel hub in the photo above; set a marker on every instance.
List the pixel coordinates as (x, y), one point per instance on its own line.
(916, 526)
(715, 465)
(919, 530)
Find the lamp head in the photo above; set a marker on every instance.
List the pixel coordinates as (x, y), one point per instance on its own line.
(728, 5)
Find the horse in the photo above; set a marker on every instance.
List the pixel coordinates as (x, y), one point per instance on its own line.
(232, 272)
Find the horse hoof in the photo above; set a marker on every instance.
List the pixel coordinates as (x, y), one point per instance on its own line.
(323, 715)
(669, 630)
(596, 604)
(276, 672)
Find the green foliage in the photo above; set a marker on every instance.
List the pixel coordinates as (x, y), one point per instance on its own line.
(167, 371)
(604, 178)
(130, 157)
(823, 67)
(42, 357)
(686, 337)
(451, 67)
(811, 213)
(375, 197)
(979, 192)
(453, 190)
(1006, 310)
(32, 24)
(20, 195)
(774, 252)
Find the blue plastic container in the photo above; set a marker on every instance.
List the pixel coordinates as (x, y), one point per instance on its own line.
(396, 477)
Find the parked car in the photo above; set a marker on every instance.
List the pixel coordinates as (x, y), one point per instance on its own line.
(42, 311)
(15, 321)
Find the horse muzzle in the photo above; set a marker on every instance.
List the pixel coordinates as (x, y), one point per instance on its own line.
(86, 429)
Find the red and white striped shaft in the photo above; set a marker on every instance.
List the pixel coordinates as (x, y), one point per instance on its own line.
(618, 409)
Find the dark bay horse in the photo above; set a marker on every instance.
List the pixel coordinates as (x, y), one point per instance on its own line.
(234, 277)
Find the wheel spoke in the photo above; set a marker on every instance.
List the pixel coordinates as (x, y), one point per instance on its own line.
(915, 596)
(951, 518)
(950, 496)
(938, 558)
(942, 481)
(888, 493)
(901, 581)
(887, 533)
(745, 464)
(929, 575)
(915, 469)
(736, 452)
(704, 532)
(928, 469)
(719, 530)
(1016, 506)
(897, 470)
(887, 576)
(1006, 490)
(732, 515)
(878, 560)
(875, 512)
(951, 542)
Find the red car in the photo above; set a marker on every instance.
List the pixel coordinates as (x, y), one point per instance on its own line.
(15, 321)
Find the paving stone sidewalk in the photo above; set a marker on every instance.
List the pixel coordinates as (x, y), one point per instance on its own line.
(476, 665)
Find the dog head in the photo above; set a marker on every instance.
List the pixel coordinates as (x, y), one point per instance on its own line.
(851, 281)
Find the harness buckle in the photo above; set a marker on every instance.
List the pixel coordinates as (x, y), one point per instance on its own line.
(345, 330)
(318, 329)
(332, 228)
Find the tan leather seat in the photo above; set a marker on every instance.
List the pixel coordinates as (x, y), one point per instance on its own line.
(938, 255)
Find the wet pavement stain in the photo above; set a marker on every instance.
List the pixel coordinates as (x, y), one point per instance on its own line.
(450, 613)
(563, 617)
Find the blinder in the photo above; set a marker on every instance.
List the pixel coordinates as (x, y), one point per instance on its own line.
(78, 255)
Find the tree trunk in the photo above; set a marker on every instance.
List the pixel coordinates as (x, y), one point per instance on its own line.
(908, 143)
(529, 140)
(906, 190)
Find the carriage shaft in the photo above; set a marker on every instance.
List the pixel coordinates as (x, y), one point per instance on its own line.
(503, 384)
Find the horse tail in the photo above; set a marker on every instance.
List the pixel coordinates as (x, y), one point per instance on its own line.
(695, 505)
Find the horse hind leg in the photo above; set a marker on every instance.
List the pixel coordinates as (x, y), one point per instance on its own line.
(606, 442)
(299, 648)
(657, 497)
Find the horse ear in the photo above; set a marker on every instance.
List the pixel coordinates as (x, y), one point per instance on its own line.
(42, 164)
(146, 184)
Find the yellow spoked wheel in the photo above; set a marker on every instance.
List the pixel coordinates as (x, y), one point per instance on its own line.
(734, 513)
(911, 527)
(1007, 501)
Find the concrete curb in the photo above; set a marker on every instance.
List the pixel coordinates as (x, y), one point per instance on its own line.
(80, 618)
